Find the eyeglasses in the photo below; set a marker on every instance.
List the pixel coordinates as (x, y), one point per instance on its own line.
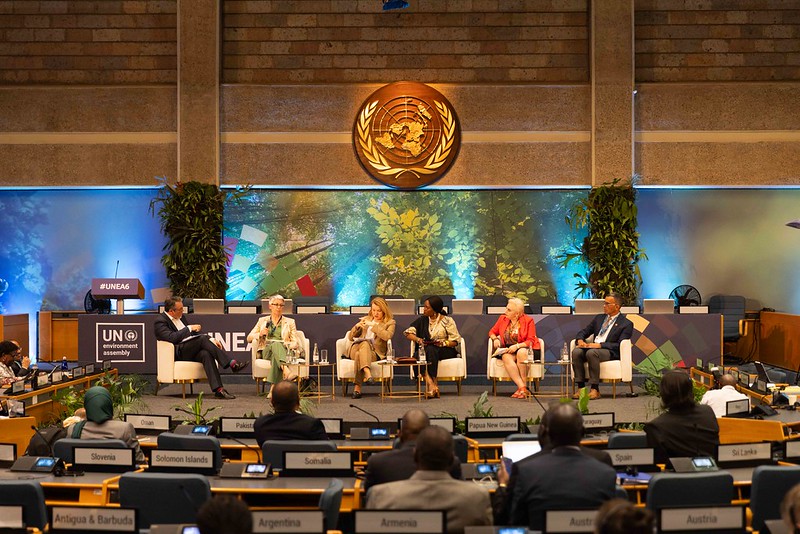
(277, 305)
(606, 303)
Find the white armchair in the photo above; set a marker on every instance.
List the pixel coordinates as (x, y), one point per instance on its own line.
(180, 372)
(452, 369)
(496, 370)
(613, 370)
(260, 368)
(346, 368)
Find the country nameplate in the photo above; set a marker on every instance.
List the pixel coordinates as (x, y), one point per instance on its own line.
(11, 516)
(631, 456)
(744, 452)
(598, 420)
(100, 457)
(149, 422)
(487, 426)
(233, 425)
(83, 519)
(558, 521)
(702, 518)
(317, 461)
(400, 521)
(166, 458)
(289, 521)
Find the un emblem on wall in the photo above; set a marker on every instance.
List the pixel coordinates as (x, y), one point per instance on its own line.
(406, 135)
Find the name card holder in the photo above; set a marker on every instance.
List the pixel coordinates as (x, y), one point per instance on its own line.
(289, 521)
(89, 369)
(93, 519)
(301, 309)
(237, 427)
(333, 427)
(359, 310)
(183, 461)
(11, 517)
(556, 310)
(791, 450)
(598, 422)
(18, 387)
(400, 522)
(102, 459)
(41, 381)
(744, 454)
(106, 365)
(498, 427)
(8, 454)
(495, 310)
(149, 423)
(78, 372)
(57, 376)
(718, 519)
(560, 521)
(317, 464)
(622, 458)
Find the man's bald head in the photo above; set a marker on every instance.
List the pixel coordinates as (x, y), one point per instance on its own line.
(727, 380)
(414, 421)
(434, 450)
(564, 425)
(285, 397)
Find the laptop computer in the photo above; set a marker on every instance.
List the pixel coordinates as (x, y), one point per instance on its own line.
(402, 306)
(209, 306)
(762, 374)
(659, 306)
(589, 306)
(467, 306)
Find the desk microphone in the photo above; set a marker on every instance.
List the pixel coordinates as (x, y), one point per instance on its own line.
(257, 449)
(58, 470)
(366, 412)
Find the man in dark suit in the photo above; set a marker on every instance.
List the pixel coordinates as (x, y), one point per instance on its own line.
(287, 422)
(399, 464)
(565, 478)
(609, 329)
(501, 500)
(21, 364)
(195, 347)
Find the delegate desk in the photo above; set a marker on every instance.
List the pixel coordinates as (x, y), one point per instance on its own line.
(89, 489)
(684, 333)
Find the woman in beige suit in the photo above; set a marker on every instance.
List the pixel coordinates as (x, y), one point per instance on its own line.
(274, 335)
(368, 339)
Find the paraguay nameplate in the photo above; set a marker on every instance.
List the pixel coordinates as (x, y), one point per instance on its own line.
(406, 135)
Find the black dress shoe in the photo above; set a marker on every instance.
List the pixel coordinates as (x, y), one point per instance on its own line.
(238, 366)
(223, 394)
(356, 394)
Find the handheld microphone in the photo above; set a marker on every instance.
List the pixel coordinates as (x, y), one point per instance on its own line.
(366, 412)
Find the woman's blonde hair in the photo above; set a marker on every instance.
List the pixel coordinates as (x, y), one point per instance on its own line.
(381, 303)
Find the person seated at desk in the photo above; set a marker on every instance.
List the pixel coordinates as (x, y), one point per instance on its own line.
(275, 335)
(287, 422)
(7, 374)
(506, 482)
(687, 428)
(100, 422)
(399, 464)
(21, 364)
(718, 398)
(224, 514)
(192, 346)
(516, 333)
(432, 488)
(368, 340)
(609, 329)
(790, 510)
(619, 516)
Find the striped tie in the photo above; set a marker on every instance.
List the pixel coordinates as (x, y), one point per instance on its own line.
(605, 325)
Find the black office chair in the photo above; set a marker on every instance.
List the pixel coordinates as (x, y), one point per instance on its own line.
(330, 502)
(689, 489)
(446, 299)
(461, 446)
(65, 447)
(732, 308)
(273, 449)
(770, 484)
(188, 442)
(30, 496)
(627, 440)
(167, 498)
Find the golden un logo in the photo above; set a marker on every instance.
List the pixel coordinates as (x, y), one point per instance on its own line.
(406, 135)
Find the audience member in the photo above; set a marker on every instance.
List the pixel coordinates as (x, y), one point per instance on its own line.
(190, 345)
(565, 478)
(609, 329)
(7, 375)
(515, 332)
(686, 428)
(224, 514)
(790, 510)
(100, 422)
(501, 500)
(398, 463)
(432, 487)
(287, 422)
(619, 516)
(21, 364)
(718, 398)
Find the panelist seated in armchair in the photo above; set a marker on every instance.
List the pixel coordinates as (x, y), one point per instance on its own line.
(368, 341)
(100, 423)
(191, 345)
(513, 335)
(274, 335)
(608, 330)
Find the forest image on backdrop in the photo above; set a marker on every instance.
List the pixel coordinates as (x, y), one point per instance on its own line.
(350, 245)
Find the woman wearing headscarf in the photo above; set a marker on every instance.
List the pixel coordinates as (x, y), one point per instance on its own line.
(438, 333)
(100, 422)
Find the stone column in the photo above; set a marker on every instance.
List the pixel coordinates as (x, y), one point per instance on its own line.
(198, 90)
(612, 90)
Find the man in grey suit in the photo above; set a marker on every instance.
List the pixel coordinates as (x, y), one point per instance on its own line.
(432, 487)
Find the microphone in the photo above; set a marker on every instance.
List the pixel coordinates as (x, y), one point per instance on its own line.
(49, 446)
(116, 270)
(252, 448)
(366, 412)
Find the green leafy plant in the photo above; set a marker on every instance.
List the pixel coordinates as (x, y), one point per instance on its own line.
(611, 248)
(126, 395)
(480, 408)
(191, 216)
(583, 400)
(198, 414)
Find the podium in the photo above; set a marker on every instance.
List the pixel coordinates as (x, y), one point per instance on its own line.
(118, 288)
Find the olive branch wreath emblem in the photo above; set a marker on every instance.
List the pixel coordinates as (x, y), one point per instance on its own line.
(379, 163)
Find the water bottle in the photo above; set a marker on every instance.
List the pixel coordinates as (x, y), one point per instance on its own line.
(564, 353)
(530, 354)
(64, 365)
(315, 354)
(389, 352)
(421, 358)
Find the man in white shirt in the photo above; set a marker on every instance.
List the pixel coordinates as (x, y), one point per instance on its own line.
(718, 398)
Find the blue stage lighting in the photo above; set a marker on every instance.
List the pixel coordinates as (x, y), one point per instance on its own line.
(394, 4)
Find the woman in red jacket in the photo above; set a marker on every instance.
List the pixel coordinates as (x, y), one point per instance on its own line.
(513, 335)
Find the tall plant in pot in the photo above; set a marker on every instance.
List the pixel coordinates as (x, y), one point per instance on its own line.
(611, 248)
(191, 216)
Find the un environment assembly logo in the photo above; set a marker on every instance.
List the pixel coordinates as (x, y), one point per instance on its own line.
(406, 135)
